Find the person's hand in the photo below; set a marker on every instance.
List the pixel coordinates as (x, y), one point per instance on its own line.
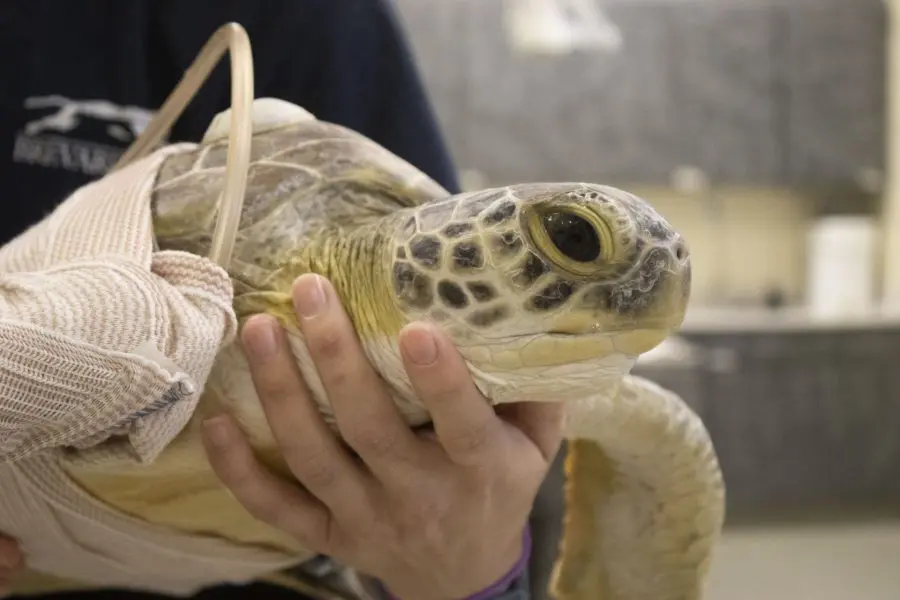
(437, 515)
(11, 561)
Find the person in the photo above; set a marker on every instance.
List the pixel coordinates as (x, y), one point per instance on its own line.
(81, 78)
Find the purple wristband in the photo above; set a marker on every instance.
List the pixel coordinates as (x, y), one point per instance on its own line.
(502, 584)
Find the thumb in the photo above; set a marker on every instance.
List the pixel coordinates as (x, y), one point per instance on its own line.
(541, 422)
(10, 555)
(10, 562)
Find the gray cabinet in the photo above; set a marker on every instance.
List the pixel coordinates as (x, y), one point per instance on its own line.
(834, 90)
(594, 117)
(725, 91)
(767, 93)
(772, 93)
(804, 423)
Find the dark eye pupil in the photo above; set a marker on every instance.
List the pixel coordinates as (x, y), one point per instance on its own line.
(572, 235)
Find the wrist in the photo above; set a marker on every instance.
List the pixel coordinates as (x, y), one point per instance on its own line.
(515, 572)
(500, 585)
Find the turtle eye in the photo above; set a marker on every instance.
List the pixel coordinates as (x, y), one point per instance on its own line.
(573, 236)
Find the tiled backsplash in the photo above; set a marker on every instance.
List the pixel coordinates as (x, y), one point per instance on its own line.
(745, 243)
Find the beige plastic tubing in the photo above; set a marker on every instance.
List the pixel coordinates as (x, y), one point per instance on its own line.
(231, 37)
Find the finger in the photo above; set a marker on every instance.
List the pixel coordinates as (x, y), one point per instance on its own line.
(10, 555)
(366, 415)
(6, 577)
(465, 423)
(265, 496)
(541, 422)
(309, 447)
(10, 561)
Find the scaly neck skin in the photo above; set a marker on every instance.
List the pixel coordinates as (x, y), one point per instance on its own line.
(355, 261)
(645, 498)
(358, 266)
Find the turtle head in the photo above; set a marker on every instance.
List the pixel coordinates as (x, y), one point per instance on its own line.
(555, 283)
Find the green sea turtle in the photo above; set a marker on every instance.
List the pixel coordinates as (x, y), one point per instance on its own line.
(550, 291)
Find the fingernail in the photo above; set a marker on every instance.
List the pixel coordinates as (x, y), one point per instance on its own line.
(309, 295)
(420, 345)
(216, 430)
(260, 339)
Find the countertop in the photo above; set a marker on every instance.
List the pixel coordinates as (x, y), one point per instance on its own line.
(703, 319)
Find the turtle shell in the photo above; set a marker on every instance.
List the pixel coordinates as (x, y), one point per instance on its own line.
(305, 178)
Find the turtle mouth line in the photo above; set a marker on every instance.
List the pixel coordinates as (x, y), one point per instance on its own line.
(594, 333)
(574, 335)
(562, 335)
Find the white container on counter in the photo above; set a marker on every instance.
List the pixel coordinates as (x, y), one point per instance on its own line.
(841, 256)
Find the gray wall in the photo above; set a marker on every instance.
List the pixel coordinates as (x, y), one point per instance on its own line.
(751, 92)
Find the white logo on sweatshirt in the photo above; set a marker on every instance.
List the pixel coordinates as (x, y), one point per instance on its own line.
(47, 140)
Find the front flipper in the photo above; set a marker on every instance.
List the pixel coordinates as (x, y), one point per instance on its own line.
(644, 498)
(580, 571)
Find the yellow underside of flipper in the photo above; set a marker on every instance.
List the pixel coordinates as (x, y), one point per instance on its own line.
(580, 573)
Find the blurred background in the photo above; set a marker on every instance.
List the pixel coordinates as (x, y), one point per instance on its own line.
(765, 131)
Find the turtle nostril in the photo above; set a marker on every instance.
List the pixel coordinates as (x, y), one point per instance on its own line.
(681, 252)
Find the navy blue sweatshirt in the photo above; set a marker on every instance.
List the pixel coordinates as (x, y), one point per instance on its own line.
(80, 79)
(80, 76)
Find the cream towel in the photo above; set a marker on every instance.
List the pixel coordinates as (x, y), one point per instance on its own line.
(105, 345)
